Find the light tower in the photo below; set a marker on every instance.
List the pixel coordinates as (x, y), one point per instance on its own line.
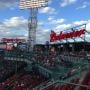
(33, 6)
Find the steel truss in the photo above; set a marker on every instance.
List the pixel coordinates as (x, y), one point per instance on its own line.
(32, 25)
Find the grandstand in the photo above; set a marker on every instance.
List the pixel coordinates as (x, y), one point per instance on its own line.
(44, 70)
(61, 66)
(62, 62)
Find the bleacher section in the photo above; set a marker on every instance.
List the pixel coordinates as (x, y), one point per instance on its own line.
(61, 72)
(8, 68)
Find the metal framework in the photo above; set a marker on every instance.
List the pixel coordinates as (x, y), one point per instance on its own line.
(33, 6)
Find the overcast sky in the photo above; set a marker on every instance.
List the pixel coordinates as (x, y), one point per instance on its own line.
(59, 15)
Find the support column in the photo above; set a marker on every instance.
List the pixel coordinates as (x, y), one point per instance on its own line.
(32, 25)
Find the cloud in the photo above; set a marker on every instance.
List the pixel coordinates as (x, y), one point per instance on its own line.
(16, 27)
(57, 21)
(67, 2)
(73, 24)
(15, 22)
(88, 27)
(62, 27)
(19, 26)
(10, 34)
(48, 10)
(84, 5)
(8, 3)
(81, 22)
(50, 18)
(40, 23)
(13, 27)
(66, 28)
(53, 21)
(42, 35)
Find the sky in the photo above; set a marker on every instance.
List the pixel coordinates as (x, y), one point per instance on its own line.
(58, 16)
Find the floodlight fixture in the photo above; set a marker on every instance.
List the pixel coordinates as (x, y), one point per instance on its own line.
(27, 4)
(33, 6)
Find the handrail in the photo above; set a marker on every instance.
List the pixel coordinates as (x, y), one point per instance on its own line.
(58, 81)
(65, 81)
(42, 84)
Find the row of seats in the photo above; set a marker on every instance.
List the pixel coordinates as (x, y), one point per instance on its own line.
(22, 81)
(28, 81)
(86, 81)
(8, 68)
(8, 82)
(48, 61)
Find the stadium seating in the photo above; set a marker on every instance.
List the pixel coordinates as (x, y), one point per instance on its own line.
(86, 81)
(28, 81)
(67, 68)
(8, 68)
(68, 86)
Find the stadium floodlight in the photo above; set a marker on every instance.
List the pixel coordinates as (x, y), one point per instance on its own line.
(33, 6)
(27, 4)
